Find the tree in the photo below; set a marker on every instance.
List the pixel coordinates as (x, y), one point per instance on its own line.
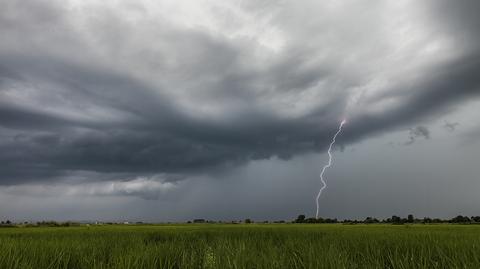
(410, 218)
(427, 220)
(460, 219)
(313, 220)
(475, 219)
(300, 219)
(247, 221)
(327, 220)
(370, 220)
(396, 220)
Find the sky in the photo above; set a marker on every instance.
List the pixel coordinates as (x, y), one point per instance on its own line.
(173, 110)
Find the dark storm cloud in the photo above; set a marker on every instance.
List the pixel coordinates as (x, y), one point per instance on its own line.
(17, 118)
(96, 93)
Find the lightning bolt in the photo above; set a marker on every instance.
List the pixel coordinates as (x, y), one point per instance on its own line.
(329, 163)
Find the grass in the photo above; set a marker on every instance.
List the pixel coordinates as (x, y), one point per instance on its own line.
(242, 246)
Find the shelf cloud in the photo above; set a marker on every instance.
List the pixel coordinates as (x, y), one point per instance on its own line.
(141, 88)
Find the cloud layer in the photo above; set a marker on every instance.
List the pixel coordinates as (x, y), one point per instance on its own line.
(140, 88)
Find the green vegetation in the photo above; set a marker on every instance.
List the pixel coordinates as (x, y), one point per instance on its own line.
(242, 246)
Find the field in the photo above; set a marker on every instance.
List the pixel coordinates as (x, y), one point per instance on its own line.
(242, 246)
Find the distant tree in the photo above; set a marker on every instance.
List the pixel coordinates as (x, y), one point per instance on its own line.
(8, 222)
(310, 220)
(410, 218)
(427, 220)
(199, 221)
(475, 218)
(247, 221)
(370, 220)
(300, 219)
(327, 220)
(397, 220)
(460, 219)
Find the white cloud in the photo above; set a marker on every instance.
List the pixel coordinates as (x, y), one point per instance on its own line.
(143, 187)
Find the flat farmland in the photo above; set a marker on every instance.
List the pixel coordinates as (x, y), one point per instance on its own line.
(242, 246)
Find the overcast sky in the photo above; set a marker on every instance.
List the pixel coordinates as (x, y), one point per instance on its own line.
(174, 110)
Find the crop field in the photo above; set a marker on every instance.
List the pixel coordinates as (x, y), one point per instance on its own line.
(242, 246)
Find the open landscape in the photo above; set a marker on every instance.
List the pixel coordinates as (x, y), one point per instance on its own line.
(242, 246)
(245, 134)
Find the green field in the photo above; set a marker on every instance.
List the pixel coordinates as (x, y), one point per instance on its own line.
(242, 246)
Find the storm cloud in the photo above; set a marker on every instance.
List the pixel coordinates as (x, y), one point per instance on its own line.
(135, 89)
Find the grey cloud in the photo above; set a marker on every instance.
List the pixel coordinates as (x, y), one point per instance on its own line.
(459, 18)
(148, 188)
(104, 95)
(419, 131)
(450, 126)
(471, 137)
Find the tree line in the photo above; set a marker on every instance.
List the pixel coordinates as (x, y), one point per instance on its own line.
(393, 220)
(410, 219)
